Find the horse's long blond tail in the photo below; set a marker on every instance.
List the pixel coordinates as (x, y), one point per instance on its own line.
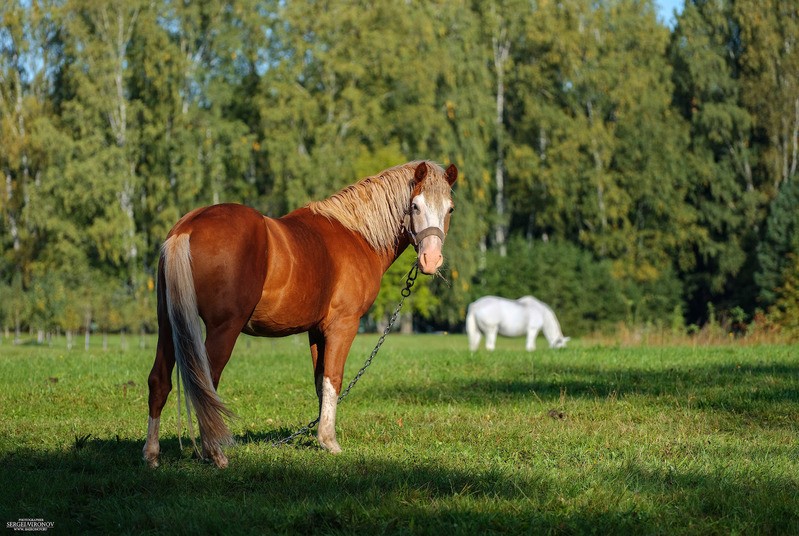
(190, 354)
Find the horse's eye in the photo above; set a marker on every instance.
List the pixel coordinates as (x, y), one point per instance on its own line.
(415, 208)
(451, 210)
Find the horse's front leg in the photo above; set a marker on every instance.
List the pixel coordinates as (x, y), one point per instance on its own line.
(329, 352)
(532, 333)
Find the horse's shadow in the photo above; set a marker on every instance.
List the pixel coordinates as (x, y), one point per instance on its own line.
(278, 438)
(173, 448)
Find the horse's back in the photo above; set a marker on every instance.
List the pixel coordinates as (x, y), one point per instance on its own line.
(510, 318)
(218, 218)
(227, 234)
(494, 305)
(315, 269)
(487, 309)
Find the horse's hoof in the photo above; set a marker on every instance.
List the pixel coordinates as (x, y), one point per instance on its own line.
(216, 455)
(220, 460)
(150, 456)
(330, 445)
(152, 461)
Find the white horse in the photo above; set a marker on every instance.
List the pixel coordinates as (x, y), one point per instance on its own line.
(492, 316)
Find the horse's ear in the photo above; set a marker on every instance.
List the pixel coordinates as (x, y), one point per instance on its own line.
(421, 173)
(451, 174)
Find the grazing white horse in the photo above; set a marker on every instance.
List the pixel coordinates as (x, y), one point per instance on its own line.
(492, 316)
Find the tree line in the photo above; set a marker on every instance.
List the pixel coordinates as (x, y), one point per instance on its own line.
(620, 170)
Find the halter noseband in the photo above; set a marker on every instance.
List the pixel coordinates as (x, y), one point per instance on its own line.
(416, 238)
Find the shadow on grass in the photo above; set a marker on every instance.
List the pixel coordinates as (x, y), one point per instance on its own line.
(104, 487)
(732, 388)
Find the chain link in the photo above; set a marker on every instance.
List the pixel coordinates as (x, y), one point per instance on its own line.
(410, 279)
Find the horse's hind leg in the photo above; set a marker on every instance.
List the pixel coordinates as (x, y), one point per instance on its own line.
(474, 338)
(219, 343)
(160, 384)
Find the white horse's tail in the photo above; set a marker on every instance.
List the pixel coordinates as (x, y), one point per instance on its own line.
(190, 354)
(472, 330)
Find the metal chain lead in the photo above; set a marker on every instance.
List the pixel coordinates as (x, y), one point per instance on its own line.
(410, 279)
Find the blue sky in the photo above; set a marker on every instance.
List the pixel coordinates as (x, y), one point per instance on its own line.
(666, 8)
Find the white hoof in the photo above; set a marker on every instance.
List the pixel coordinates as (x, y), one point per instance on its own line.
(150, 457)
(330, 445)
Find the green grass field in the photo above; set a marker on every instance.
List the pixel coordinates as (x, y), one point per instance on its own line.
(586, 440)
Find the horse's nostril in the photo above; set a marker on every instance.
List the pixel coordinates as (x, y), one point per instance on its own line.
(432, 261)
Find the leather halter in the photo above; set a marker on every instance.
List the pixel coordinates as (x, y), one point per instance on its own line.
(416, 238)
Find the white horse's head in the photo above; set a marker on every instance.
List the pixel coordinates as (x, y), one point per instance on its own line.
(560, 342)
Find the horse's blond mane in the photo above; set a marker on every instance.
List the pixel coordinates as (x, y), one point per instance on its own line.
(375, 206)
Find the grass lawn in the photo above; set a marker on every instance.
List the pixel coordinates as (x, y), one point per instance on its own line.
(585, 440)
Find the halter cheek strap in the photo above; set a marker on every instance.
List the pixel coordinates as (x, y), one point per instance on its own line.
(416, 238)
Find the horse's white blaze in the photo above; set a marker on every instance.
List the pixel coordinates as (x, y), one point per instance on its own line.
(327, 417)
(429, 216)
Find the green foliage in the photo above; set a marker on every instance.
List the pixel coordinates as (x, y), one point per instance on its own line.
(678, 321)
(655, 154)
(729, 189)
(421, 301)
(780, 243)
(785, 310)
(15, 306)
(580, 289)
(770, 82)
(583, 291)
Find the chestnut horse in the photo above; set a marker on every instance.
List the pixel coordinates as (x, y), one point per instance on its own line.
(317, 269)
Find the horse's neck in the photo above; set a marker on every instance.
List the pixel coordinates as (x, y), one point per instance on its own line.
(308, 219)
(552, 329)
(373, 206)
(402, 244)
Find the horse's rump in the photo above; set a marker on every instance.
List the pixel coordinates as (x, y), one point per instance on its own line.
(187, 337)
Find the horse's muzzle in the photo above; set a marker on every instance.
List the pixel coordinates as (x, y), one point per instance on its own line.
(430, 256)
(428, 244)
